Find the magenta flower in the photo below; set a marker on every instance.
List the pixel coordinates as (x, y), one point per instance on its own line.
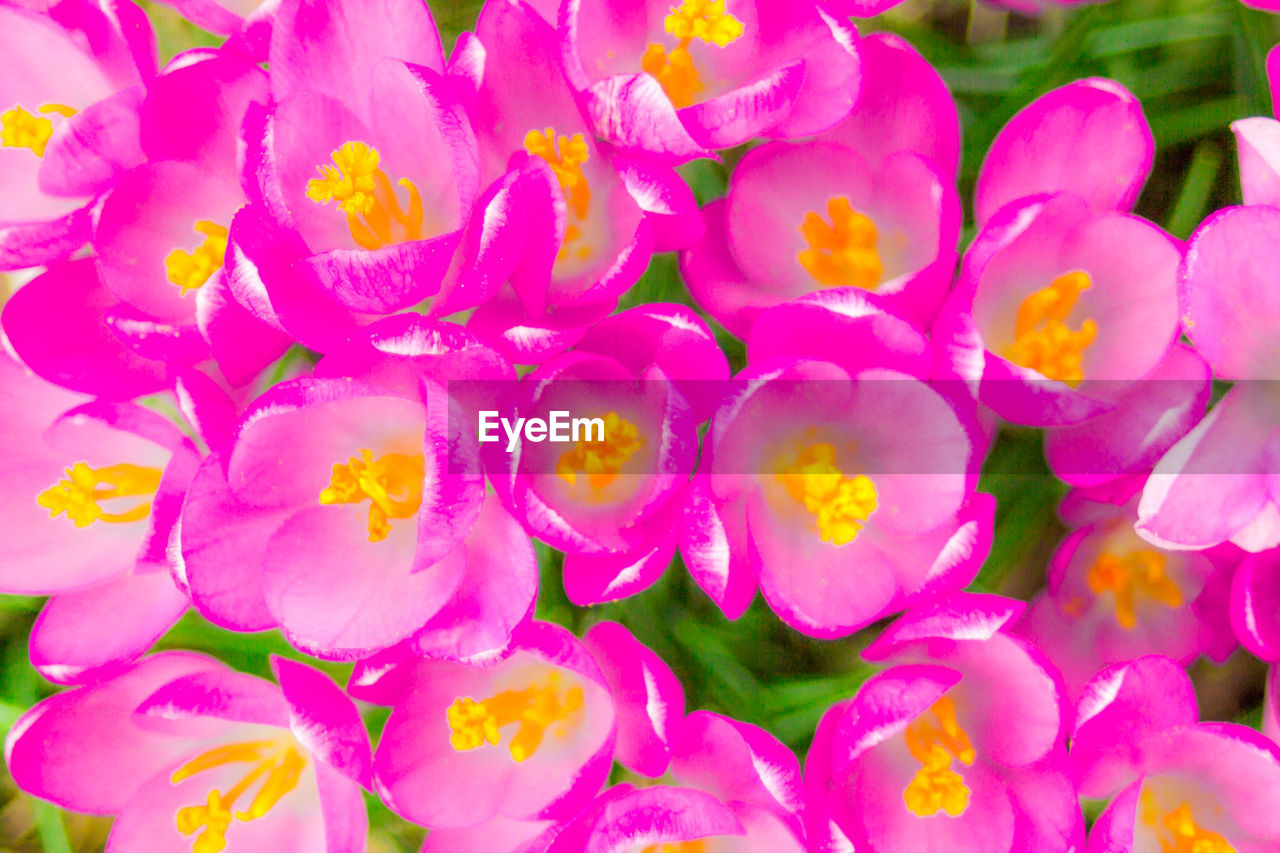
(614, 506)
(1174, 783)
(364, 170)
(90, 506)
(529, 738)
(675, 80)
(800, 218)
(567, 224)
(192, 756)
(1214, 485)
(843, 491)
(1114, 597)
(958, 746)
(338, 514)
(68, 119)
(1070, 305)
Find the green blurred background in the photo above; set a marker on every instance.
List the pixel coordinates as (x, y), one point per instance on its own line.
(1196, 65)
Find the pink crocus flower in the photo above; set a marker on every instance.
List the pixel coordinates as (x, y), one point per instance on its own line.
(338, 514)
(1173, 782)
(568, 223)
(957, 746)
(614, 506)
(1112, 596)
(842, 489)
(72, 80)
(161, 235)
(527, 738)
(92, 495)
(676, 80)
(362, 172)
(1069, 306)
(192, 756)
(815, 215)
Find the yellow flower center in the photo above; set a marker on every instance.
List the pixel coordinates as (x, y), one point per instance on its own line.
(365, 194)
(840, 504)
(1139, 572)
(282, 765)
(565, 155)
(21, 129)
(82, 492)
(935, 739)
(601, 461)
(535, 708)
(704, 20)
(392, 484)
(677, 847)
(1043, 340)
(842, 254)
(1178, 831)
(191, 270)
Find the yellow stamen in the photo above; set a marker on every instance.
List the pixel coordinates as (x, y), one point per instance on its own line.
(364, 193)
(392, 484)
(840, 504)
(1141, 571)
(935, 743)
(21, 129)
(565, 155)
(1178, 832)
(191, 270)
(282, 765)
(842, 254)
(677, 847)
(1043, 341)
(535, 708)
(601, 461)
(704, 20)
(79, 495)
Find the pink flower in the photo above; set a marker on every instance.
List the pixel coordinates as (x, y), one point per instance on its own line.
(529, 738)
(612, 507)
(1171, 780)
(840, 486)
(567, 224)
(675, 80)
(1069, 304)
(1113, 597)
(363, 171)
(815, 215)
(190, 755)
(347, 514)
(93, 491)
(1214, 485)
(73, 78)
(957, 746)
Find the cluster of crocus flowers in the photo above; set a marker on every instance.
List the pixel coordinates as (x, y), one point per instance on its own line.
(273, 289)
